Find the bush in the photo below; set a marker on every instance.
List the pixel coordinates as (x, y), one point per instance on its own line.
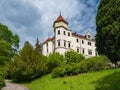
(93, 64)
(54, 60)
(67, 70)
(58, 72)
(86, 65)
(74, 57)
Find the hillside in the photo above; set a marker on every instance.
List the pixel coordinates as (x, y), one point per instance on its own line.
(103, 80)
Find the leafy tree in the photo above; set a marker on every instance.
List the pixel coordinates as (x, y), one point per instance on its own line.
(108, 29)
(9, 43)
(4, 52)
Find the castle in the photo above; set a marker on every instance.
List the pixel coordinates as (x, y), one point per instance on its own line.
(64, 40)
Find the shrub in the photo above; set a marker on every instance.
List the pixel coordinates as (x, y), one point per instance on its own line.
(58, 72)
(72, 56)
(86, 65)
(67, 70)
(93, 64)
(54, 60)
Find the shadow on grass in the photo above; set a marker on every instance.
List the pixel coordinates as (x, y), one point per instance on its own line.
(110, 82)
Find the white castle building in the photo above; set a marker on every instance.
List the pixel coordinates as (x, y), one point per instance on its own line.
(64, 40)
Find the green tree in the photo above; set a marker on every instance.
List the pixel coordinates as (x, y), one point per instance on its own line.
(9, 43)
(108, 29)
(28, 65)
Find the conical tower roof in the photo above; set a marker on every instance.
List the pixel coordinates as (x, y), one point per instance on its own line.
(59, 19)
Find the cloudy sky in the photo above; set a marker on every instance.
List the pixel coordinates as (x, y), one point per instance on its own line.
(34, 18)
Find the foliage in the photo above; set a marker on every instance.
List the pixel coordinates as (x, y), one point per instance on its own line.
(4, 52)
(28, 65)
(9, 43)
(101, 80)
(66, 70)
(2, 76)
(94, 64)
(108, 29)
(86, 65)
(54, 60)
(72, 56)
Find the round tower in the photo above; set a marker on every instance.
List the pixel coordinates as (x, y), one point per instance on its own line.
(62, 35)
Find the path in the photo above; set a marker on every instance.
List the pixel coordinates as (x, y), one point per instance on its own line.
(13, 86)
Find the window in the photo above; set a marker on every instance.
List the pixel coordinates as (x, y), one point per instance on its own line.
(58, 32)
(64, 44)
(64, 33)
(47, 49)
(77, 40)
(83, 51)
(69, 44)
(89, 52)
(58, 43)
(89, 36)
(89, 43)
(68, 33)
(47, 44)
(78, 50)
(82, 41)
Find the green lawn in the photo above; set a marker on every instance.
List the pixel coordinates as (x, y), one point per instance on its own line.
(103, 80)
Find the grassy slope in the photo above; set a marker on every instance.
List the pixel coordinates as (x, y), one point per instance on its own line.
(103, 80)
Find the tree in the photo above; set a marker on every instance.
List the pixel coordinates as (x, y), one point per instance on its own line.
(38, 46)
(28, 64)
(9, 43)
(108, 29)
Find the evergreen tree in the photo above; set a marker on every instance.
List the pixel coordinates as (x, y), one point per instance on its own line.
(28, 64)
(108, 29)
(38, 46)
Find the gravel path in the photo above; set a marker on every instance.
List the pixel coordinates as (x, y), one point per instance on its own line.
(13, 86)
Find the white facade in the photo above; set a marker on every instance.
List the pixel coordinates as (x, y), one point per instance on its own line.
(64, 40)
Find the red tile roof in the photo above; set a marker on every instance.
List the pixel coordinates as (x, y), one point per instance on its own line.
(60, 18)
(77, 35)
(48, 39)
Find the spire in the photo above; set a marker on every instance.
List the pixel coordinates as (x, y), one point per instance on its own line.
(60, 12)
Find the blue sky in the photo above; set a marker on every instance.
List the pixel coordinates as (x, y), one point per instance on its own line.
(34, 18)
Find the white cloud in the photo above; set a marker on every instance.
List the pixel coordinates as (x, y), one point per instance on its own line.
(34, 18)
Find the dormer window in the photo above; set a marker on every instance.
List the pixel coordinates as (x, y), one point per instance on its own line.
(89, 36)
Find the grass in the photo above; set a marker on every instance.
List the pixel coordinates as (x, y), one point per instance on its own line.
(103, 80)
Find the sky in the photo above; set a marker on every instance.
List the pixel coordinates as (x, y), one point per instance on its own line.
(30, 19)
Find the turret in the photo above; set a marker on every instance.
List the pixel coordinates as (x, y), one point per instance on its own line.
(60, 22)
